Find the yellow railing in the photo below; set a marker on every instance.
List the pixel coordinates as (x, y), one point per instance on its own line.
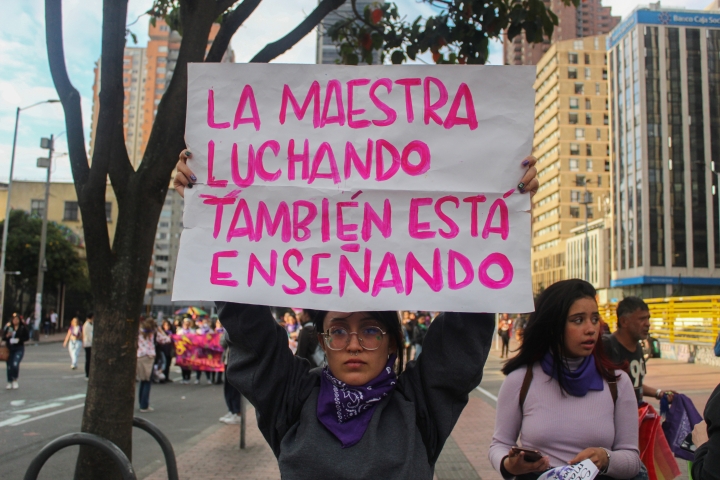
(678, 319)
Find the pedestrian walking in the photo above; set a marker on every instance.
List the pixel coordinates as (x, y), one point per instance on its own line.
(53, 321)
(563, 397)
(504, 327)
(15, 334)
(46, 324)
(73, 342)
(232, 396)
(362, 413)
(188, 327)
(167, 349)
(148, 335)
(87, 339)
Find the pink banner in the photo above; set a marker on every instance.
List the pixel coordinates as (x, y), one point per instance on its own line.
(199, 352)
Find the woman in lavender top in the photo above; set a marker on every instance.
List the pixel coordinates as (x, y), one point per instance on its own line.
(570, 412)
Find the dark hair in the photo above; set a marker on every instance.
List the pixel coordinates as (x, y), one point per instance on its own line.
(90, 315)
(629, 305)
(545, 330)
(388, 319)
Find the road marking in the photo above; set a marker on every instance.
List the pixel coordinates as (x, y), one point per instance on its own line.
(17, 403)
(486, 393)
(71, 397)
(39, 417)
(13, 420)
(40, 407)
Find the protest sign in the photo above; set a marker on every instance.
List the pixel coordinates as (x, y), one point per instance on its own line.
(356, 188)
(585, 470)
(199, 352)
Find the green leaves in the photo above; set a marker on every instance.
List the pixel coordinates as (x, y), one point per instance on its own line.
(460, 32)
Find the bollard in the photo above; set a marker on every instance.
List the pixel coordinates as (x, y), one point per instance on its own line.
(126, 468)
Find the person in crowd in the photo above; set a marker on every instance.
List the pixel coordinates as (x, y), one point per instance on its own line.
(29, 324)
(167, 349)
(504, 329)
(87, 338)
(308, 344)
(188, 327)
(232, 396)
(46, 325)
(706, 438)
(15, 334)
(53, 321)
(217, 377)
(203, 328)
(408, 327)
(562, 396)
(73, 341)
(519, 326)
(291, 324)
(148, 335)
(362, 413)
(418, 335)
(633, 326)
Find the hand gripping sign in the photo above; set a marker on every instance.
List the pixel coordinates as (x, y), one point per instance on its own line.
(358, 188)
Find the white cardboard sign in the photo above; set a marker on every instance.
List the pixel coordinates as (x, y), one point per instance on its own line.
(358, 188)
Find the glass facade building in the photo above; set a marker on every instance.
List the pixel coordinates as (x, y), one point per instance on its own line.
(664, 71)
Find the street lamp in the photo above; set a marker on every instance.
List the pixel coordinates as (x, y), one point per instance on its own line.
(7, 207)
(48, 143)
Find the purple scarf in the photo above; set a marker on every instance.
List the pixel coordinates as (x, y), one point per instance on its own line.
(346, 410)
(579, 382)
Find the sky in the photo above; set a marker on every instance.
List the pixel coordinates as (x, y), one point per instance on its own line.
(25, 77)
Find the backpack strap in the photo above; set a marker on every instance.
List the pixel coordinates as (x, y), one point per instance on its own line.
(613, 391)
(526, 385)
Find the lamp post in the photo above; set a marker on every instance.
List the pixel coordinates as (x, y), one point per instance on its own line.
(7, 206)
(587, 201)
(42, 264)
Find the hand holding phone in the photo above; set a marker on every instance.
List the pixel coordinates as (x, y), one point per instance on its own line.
(530, 455)
(524, 460)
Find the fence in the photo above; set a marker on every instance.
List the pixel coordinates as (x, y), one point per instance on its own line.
(694, 320)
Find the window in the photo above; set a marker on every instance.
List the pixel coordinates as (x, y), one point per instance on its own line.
(573, 118)
(162, 49)
(575, 212)
(162, 236)
(588, 165)
(579, 134)
(572, 72)
(574, 195)
(574, 103)
(574, 165)
(71, 211)
(588, 149)
(161, 258)
(37, 207)
(607, 165)
(579, 180)
(572, 58)
(588, 104)
(579, 89)
(163, 224)
(589, 210)
(598, 134)
(108, 212)
(604, 74)
(597, 89)
(587, 73)
(599, 181)
(588, 119)
(587, 59)
(578, 45)
(574, 149)
(605, 119)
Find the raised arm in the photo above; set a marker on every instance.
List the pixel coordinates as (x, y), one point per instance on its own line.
(449, 368)
(264, 370)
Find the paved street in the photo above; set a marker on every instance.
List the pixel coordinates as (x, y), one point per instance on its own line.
(50, 399)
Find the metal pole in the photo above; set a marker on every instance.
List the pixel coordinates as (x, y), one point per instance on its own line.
(7, 218)
(43, 238)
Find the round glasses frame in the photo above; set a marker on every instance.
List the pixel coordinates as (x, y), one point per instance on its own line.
(326, 337)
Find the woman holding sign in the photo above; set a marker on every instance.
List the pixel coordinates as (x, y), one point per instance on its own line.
(563, 397)
(362, 416)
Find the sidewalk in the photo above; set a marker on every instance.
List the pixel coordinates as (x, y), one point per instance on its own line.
(218, 456)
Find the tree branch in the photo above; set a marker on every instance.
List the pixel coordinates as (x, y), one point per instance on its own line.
(223, 5)
(277, 48)
(228, 28)
(69, 96)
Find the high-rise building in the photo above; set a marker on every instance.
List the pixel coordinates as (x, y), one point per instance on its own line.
(665, 136)
(588, 19)
(571, 145)
(147, 72)
(327, 52)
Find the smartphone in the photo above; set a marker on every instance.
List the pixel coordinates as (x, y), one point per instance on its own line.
(688, 444)
(530, 455)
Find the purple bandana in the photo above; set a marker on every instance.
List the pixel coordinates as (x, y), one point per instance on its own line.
(579, 382)
(346, 410)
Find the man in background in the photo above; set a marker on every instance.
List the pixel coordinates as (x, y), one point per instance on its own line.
(87, 342)
(633, 326)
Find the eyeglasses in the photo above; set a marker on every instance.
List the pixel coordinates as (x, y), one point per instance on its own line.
(370, 337)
